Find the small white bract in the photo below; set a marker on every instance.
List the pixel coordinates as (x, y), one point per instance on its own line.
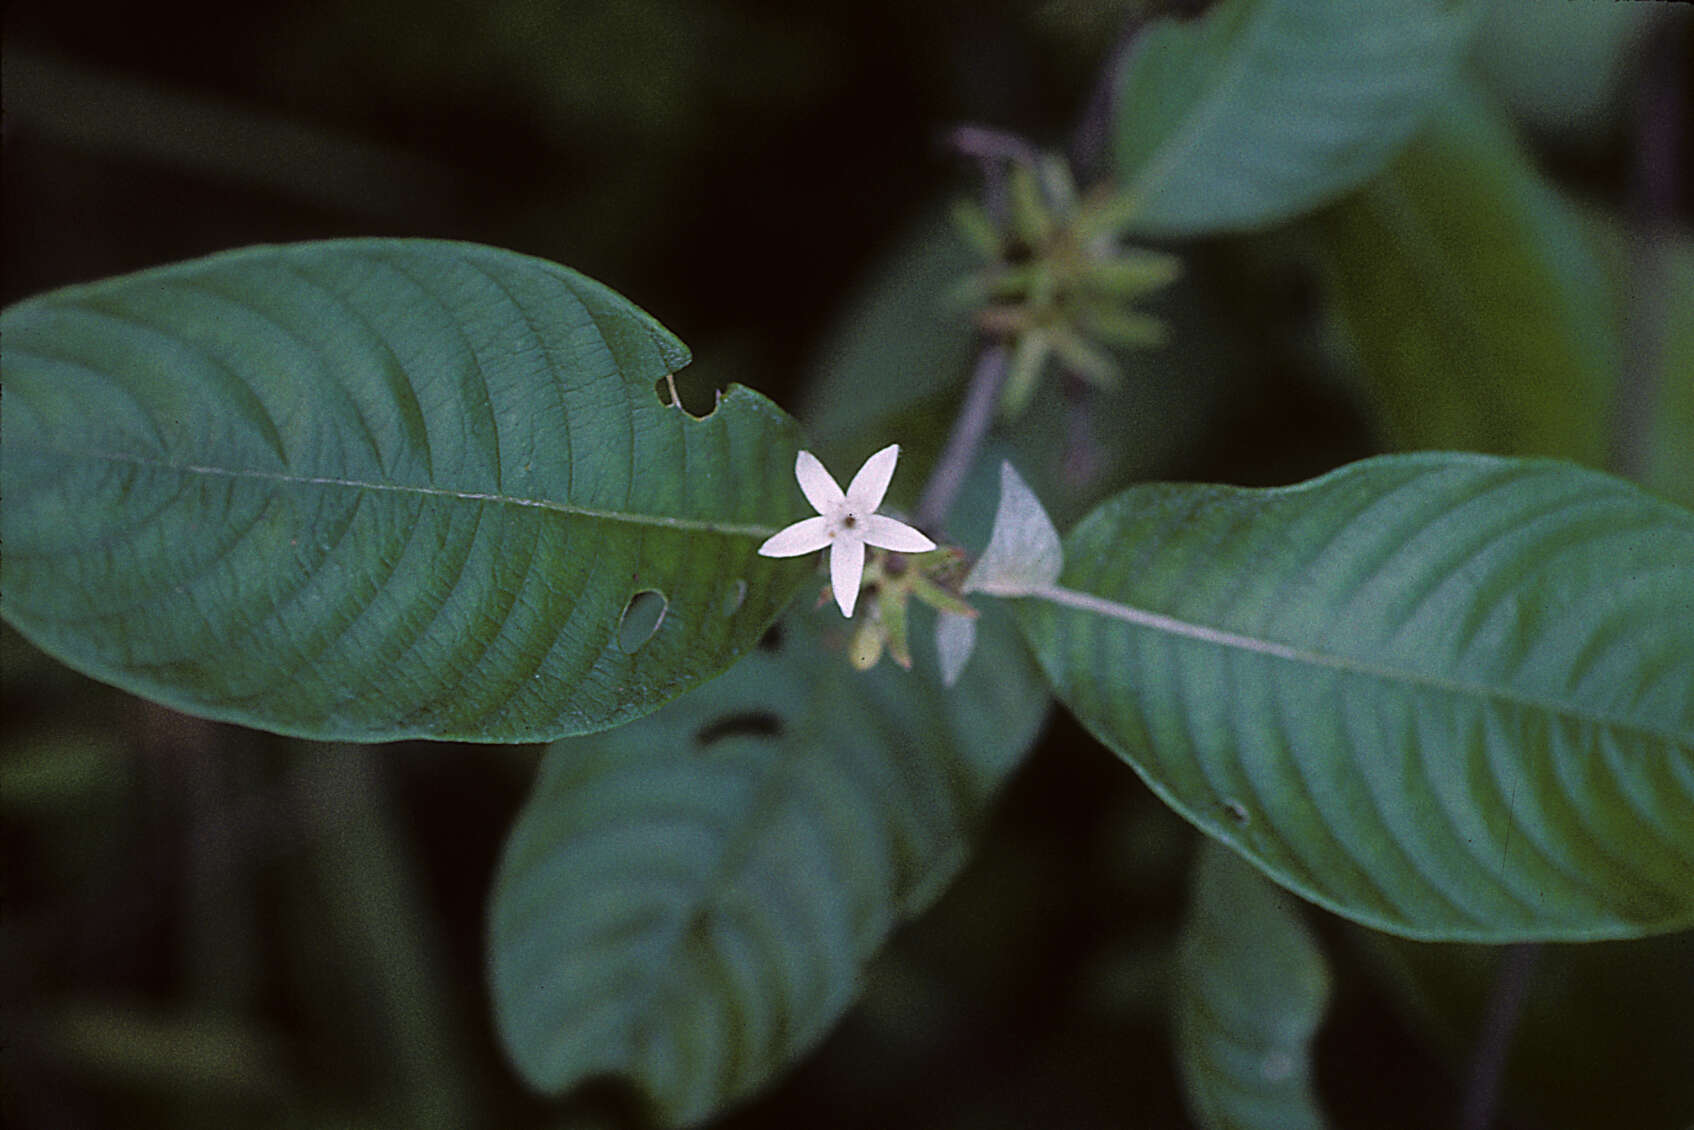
(846, 522)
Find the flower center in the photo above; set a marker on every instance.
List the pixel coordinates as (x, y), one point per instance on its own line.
(850, 520)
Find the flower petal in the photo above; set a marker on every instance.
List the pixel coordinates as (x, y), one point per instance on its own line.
(805, 536)
(888, 533)
(846, 570)
(818, 485)
(865, 492)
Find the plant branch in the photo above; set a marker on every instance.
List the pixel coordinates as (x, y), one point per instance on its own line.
(1093, 133)
(1505, 1006)
(991, 149)
(965, 440)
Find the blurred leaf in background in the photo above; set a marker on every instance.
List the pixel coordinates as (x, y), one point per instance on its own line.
(1565, 73)
(1467, 293)
(1260, 110)
(1651, 277)
(689, 902)
(1602, 1025)
(1252, 985)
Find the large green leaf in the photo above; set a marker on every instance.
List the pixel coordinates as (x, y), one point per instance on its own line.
(1250, 993)
(1263, 109)
(688, 902)
(1469, 295)
(379, 489)
(1448, 696)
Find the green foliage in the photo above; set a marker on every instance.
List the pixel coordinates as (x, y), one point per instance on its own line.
(1468, 292)
(380, 489)
(1420, 690)
(1251, 990)
(690, 900)
(1263, 109)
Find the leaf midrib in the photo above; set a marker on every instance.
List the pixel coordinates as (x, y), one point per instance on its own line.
(1171, 625)
(661, 521)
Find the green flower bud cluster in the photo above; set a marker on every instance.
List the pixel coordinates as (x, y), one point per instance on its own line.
(894, 579)
(1057, 281)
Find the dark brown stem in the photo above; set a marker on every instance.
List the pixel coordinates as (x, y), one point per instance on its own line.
(1494, 1042)
(965, 440)
(992, 149)
(1652, 207)
(1093, 133)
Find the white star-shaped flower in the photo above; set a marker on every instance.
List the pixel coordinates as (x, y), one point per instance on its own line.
(846, 522)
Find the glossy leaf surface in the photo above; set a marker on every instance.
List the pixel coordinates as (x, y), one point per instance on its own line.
(378, 489)
(1250, 993)
(688, 902)
(1262, 109)
(1447, 696)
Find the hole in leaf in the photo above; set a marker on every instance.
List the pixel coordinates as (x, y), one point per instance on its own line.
(752, 724)
(697, 398)
(641, 619)
(772, 639)
(1238, 812)
(735, 597)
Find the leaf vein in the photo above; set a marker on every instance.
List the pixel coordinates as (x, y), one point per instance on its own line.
(659, 521)
(1171, 625)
